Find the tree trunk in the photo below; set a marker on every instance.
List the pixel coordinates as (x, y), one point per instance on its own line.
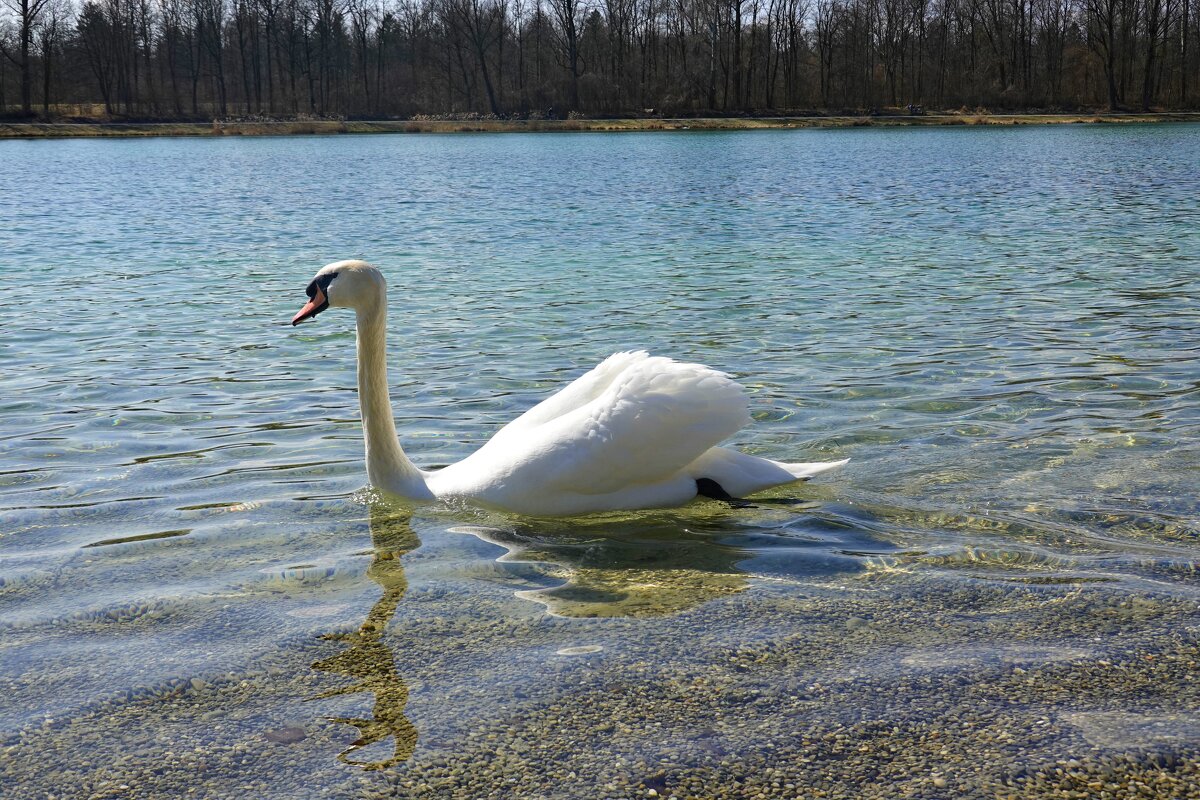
(26, 33)
(47, 62)
(1183, 58)
(1153, 10)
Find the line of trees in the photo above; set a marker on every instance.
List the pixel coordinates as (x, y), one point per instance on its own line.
(383, 58)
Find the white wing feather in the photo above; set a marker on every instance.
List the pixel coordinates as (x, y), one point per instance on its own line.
(653, 419)
(630, 422)
(579, 392)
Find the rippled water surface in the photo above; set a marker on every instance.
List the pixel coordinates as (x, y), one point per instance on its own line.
(997, 596)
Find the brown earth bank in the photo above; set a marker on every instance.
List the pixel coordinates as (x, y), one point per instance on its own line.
(40, 130)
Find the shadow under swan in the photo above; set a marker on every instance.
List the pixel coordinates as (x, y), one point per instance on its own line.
(621, 566)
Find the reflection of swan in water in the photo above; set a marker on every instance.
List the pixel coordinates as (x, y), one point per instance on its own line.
(625, 567)
(635, 432)
(368, 660)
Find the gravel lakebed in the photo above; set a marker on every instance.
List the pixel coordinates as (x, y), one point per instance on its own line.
(888, 681)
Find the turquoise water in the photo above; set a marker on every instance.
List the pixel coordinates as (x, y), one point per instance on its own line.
(999, 327)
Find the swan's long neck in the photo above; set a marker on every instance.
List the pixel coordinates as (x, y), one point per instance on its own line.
(388, 468)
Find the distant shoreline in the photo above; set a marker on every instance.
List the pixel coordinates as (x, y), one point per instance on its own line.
(60, 130)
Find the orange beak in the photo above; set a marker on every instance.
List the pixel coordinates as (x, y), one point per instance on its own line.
(314, 306)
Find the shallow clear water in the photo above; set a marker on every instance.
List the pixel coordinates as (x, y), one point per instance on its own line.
(1000, 328)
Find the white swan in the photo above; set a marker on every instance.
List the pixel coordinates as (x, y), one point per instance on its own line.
(635, 432)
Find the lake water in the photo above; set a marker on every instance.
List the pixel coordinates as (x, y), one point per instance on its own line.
(997, 596)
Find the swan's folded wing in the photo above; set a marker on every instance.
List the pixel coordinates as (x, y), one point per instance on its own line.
(579, 392)
(651, 421)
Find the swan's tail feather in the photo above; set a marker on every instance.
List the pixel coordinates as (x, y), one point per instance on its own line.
(805, 471)
(741, 474)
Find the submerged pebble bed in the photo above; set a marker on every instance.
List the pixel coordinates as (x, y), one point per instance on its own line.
(896, 684)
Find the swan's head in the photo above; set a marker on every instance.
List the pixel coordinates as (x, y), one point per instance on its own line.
(342, 284)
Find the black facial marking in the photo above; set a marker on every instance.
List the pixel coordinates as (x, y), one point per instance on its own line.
(320, 282)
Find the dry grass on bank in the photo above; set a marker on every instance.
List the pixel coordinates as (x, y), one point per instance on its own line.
(39, 130)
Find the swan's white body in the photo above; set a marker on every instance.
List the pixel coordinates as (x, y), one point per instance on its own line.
(635, 432)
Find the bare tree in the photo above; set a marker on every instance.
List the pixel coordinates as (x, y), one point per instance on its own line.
(50, 31)
(1102, 28)
(567, 13)
(1153, 13)
(363, 16)
(480, 23)
(27, 13)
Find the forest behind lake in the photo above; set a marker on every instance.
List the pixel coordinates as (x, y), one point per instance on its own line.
(533, 59)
